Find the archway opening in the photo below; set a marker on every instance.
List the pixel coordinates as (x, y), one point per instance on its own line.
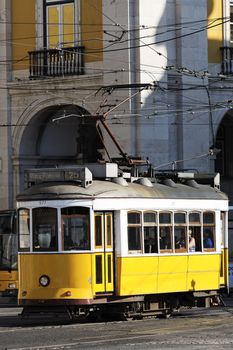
(58, 135)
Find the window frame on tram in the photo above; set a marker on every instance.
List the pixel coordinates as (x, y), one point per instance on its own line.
(165, 225)
(24, 226)
(45, 228)
(52, 238)
(78, 235)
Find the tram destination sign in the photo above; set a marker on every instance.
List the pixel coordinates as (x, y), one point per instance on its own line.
(79, 174)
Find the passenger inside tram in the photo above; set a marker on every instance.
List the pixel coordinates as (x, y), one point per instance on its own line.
(208, 239)
(192, 242)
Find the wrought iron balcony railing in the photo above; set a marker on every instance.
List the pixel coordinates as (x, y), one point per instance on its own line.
(227, 60)
(56, 62)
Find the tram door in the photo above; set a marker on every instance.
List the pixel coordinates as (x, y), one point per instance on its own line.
(103, 257)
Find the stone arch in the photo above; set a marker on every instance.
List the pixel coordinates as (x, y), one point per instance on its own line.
(53, 135)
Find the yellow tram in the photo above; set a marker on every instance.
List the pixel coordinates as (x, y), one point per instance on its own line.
(8, 256)
(93, 241)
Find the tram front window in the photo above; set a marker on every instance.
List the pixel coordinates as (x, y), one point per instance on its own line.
(24, 229)
(8, 244)
(44, 228)
(75, 228)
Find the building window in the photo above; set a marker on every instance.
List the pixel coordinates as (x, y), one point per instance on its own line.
(231, 22)
(60, 23)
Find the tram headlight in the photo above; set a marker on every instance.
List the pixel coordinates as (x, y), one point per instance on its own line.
(44, 280)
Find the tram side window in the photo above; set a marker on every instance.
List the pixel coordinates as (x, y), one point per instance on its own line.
(150, 232)
(8, 241)
(75, 228)
(44, 228)
(194, 230)
(134, 232)
(208, 231)
(24, 229)
(165, 232)
(180, 232)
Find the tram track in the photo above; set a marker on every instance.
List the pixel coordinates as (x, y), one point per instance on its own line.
(151, 332)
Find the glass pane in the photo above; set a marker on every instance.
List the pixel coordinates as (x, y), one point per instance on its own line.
(44, 222)
(134, 238)
(208, 218)
(24, 229)
(8, 242)
(180, 237)
(164, 218)
(191, 240)
(109, 230)
(109, 269)
(98, 266)
(149, 217)
(134, 218)
(53, 26)
(194, 218)
(75, 228)
(208, 237)
(165, 237)
(98, 231)
(179, 218)
(6, 223)
(150, 240)
(68, 25)
(231, 13)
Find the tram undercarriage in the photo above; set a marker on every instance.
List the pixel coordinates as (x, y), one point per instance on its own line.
(136, 307)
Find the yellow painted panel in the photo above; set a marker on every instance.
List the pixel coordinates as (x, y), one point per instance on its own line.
(53, 26)
(215, 34)
(174, 263)
(198, 281)
(172, 282)
(225, 279)
(166, 274)
(203, 262)
(137, 275)
(7, 278)
(172, 273)
(203, 272)
(92, 27)
(23, 32)
(68, 27)
(98, 287)
(109, 272)
(67, 272)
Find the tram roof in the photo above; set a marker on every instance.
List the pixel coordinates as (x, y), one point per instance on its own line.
(109, 189)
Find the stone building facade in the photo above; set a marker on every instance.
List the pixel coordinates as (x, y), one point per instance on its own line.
(159, 71)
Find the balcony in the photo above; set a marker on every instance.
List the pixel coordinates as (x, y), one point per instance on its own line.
(56, 62)
(227, 60)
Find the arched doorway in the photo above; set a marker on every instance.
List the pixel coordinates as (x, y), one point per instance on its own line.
(224, 158)
(224, 165)
(59, 134)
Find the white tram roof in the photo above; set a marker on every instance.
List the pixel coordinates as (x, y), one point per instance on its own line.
(119, 189)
